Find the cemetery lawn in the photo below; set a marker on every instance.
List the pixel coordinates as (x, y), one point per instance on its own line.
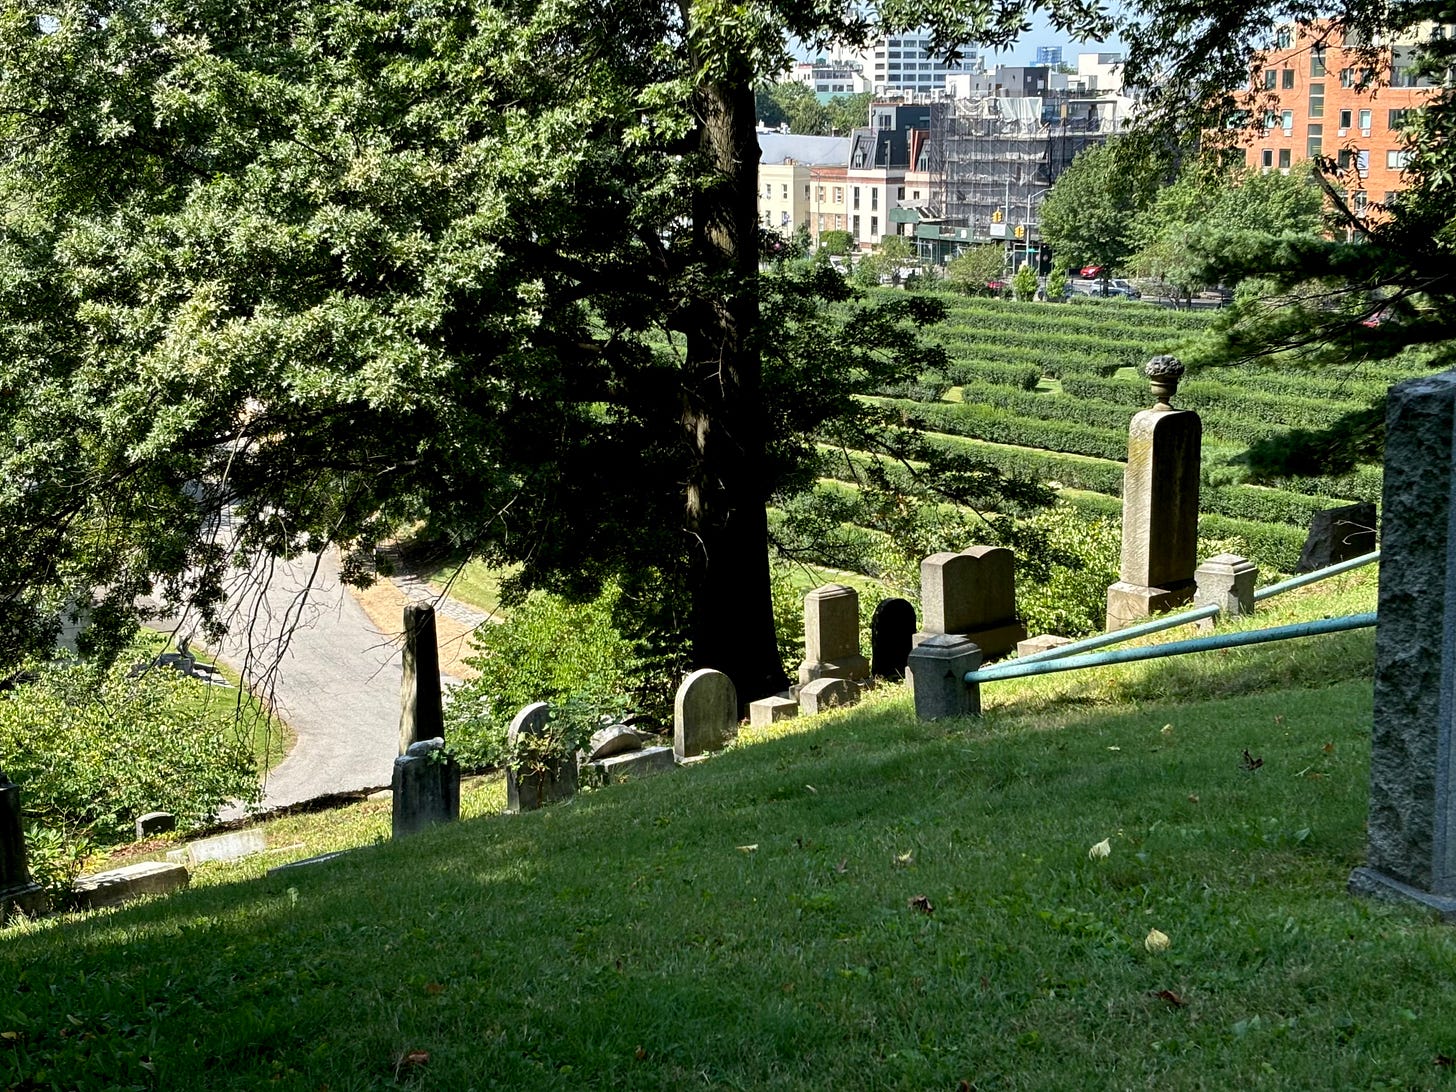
(854, 901)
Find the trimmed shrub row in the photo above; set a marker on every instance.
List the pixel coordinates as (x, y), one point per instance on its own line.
(981, 422)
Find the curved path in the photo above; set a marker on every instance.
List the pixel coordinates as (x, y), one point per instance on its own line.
(335, 679)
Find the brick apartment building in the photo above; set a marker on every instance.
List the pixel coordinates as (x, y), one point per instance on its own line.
(1320, 96)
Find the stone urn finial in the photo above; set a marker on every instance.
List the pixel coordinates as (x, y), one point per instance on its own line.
(1163, 373)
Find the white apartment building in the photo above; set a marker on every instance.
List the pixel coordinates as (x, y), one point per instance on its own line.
(827, 78)
(904, 63)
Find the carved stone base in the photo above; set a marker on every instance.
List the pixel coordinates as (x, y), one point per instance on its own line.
(28, 898)
(1131, 603)
(994, 642)
(852, 668)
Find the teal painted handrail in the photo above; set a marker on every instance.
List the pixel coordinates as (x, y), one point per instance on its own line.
(1016, 669)
(1318, 574)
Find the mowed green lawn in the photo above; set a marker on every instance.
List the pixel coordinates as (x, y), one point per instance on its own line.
(855, 901)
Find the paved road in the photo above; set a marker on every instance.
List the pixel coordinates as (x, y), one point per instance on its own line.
(335, 681)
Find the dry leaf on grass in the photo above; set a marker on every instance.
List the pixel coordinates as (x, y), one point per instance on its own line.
(921, 903)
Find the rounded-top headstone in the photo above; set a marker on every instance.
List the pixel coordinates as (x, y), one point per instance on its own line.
(892, 632)
(530, 721)
(705, 713)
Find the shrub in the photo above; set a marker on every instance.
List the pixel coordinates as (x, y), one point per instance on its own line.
(1066, 593)
(91, 750)
(568, 654)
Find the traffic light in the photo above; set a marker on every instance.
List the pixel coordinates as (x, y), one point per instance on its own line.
(1021, 231)
(997, 216)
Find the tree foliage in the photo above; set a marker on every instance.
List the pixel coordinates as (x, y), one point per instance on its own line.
(972, 270)
(1090, 215)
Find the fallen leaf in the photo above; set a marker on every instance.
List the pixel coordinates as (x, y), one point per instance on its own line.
(411, 1059)
(1114, 748)
(1156, 941)
(812, 789)
(1278, 718)
(147, 1064)
(434, 987)
(1328, 748)
(9, 1035)
(640, 1053)
(1442, 1059)
(921, 903)
(843, 866)
(748, 849)
(1172, 998)
(1167, 729)
(906, 858)
(1101, 849)
(1192, 798)
(1251, 763)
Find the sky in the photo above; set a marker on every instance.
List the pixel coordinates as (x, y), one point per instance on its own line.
(1043, 34)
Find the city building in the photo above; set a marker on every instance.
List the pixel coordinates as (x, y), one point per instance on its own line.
(887, 161)
(828, 78)
(786, 179)
(1048, 56)
(1320, 95)
(904, 64)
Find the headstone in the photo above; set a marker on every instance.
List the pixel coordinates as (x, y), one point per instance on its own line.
(631, 766)
(767, 711)
(17, 892)
(154, 823)
(1338, 534)
(116, 886)
(973, 594)
(308, 862)
(704, 714)
(426, 788)
(892, 632)
(1412, 823)
(831, 635)
(937, 676)
(543, 778)
(616, 740)
(222, 847)
(1159, 505)
(1042, 642)
(822, 694)
(421, 715)
(1227, 580)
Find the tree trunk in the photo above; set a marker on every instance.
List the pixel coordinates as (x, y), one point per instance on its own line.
(723, 417)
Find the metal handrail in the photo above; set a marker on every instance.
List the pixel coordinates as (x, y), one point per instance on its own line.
(1015, 669)
(1208, 610)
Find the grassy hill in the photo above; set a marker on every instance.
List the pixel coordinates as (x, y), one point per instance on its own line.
(854, 901)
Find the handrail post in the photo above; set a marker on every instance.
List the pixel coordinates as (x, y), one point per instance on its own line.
(937, 672)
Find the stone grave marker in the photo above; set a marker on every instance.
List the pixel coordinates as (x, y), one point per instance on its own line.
(831, 635)
(121, 885)
(767, 711)
(1159, 504)
(421, 715)
(426, 788)
(222, 847)
(937, 671)
(972, 593)
(1412, 825)
(552, 779)
(1228, 580)
(704, 714)
(822, 694)
(154, 823)
(1338, 534)
(18, 893)
(892, 632)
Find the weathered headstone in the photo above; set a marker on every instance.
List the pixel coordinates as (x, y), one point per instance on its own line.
(937, 671)
(892, 632)
(1159, 504)
(822, 694)
(1338, 534)
(121, 885)
(1412, 823)
(17, 891)
(615, 740)
(767, 711)
(831, 635)
(1228, 580)
(973, 594)
(1042, 642)
(544, 777)
(153, 823)
(222, 847)
(631, 766)
(704, 714)
(426, 788)
(421, 715)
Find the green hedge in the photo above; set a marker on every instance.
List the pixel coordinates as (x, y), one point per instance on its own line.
(1002, 427)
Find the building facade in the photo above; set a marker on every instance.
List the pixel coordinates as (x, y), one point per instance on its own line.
(786, 179)
(903, 63)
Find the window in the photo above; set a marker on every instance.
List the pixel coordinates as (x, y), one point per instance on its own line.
(1271, 79)
(1345, 116)
(806, 191)
(1396, 159)
(1347, 77)
(1284, 156)
(821, 222)
(1286, 122)
(1362, 202)
(915, 195)
(783, 219)
(1315, 140)
(855, 230)
(819, 194)
(786, 191)
(1397, 118)
(900, 194)
(1288, 79)
(839, 195)
(856, 199)
(768, 189)
(1362, 162)
(1317, 60)
(874, 227)
(1268, 158)
(1364, 122)
(1316, 100)
(1284, 38)
(874, 197)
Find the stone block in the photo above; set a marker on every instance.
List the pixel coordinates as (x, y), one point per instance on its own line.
(1129, 603)
(993, 642)
(545, 781)
(616, 740)
(704, 714)
(631, 766)
(129, 882)
(831, 635)
(426, 788)
(892, 632)
(936, 672)
(822, 694)
(1042, 642)
(222, 847)
(1338, 534)
(154, 823)
(766, 711)
(1228, 581)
